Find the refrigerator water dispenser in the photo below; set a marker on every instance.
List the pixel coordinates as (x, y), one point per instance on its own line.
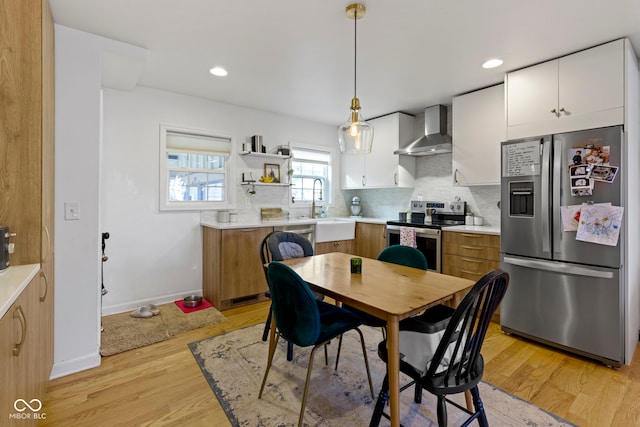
(521, 199)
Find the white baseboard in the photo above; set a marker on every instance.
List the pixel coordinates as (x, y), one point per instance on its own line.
(75, 365)
(132, 305)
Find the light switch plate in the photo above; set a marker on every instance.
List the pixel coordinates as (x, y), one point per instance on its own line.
(71, 211)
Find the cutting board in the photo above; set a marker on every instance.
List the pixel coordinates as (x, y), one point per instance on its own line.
(270, 213)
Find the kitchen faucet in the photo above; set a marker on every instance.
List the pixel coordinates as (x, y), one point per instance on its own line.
(313, 197)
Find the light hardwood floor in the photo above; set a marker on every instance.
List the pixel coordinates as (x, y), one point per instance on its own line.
(161, 384)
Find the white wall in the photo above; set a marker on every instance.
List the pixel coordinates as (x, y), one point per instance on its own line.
(155, 256)
(77, 255)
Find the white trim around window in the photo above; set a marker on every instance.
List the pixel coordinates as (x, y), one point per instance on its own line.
(196, 169)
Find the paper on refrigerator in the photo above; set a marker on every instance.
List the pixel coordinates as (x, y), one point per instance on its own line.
(600, 223)
(571, 215)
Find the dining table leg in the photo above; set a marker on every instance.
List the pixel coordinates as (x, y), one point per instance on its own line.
(393, 368)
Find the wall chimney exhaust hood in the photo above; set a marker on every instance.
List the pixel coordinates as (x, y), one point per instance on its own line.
(435, 139)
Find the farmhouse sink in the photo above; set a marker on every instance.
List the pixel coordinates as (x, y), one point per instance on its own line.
(332, 229)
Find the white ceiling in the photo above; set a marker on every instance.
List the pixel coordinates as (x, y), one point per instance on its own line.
(296, 57)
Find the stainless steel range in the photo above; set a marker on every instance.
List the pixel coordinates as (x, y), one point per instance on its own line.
(427, 220)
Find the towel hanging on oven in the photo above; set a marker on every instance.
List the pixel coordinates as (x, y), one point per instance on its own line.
(408, 237)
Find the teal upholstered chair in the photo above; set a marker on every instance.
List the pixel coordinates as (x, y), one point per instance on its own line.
(305, 321)
(279, 246)
(456, 365)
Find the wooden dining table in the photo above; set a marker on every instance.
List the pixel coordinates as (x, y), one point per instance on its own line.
(388, 291)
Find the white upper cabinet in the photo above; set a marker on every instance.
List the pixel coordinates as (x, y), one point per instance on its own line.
(478, 129)
(579, 91)
(381, 168)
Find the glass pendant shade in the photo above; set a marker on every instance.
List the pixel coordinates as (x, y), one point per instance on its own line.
(355, 136)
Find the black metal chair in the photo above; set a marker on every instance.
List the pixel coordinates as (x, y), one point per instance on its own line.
(279, 246)
(456, 365)
(303, 320)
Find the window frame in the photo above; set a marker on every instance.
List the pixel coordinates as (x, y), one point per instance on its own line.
(229, 190)
(330, 187)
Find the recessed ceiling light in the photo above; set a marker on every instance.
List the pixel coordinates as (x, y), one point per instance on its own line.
(218, 71)
(492, 63)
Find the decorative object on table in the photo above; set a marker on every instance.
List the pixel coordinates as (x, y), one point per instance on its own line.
(356, 265)
(355, 135)
(233, 363)
(271, 172)
(123, 332)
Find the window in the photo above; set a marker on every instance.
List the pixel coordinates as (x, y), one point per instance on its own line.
(194, 169)
(309, 165)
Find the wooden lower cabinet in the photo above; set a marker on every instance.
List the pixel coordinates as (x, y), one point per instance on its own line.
(344, 246)
(370, 240)
(231, 268)
(24, 362)
(470, 255)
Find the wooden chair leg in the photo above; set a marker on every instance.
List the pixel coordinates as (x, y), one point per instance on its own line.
(468, 400)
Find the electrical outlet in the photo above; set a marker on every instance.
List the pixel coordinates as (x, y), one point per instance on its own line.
(71, 211)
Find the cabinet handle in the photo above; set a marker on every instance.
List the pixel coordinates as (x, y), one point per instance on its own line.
(19, 314)
(562, 110)
(473, 248)
(473, 273)
(46, 253)
(455, 176)
(477, 261)
(395, 178)
(554, 111)
(364, 181)
(473, 236)
(46, 286)
(248, 230)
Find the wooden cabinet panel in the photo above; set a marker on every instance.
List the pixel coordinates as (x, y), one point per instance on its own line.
(23, 372)
(27, 197)
(232, 270)
(371, 239)
(344, 246)
(470, 255)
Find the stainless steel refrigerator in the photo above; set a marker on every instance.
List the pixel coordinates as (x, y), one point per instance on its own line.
(564, 292)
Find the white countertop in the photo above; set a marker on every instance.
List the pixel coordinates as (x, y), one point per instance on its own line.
(280, 222)
(482, 229)
(13, 280)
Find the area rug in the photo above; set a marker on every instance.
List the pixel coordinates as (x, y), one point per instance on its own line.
(234, 364)
(121, 332)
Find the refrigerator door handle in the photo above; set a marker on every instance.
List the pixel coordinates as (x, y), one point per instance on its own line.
(544, 183)
(558, 267)
(557, 197)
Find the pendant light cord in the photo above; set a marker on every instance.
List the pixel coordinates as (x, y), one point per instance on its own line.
(355, 50)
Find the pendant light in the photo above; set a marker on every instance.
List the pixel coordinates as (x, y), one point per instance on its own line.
(355, 135)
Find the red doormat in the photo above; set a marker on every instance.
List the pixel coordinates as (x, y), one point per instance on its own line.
(205, 304)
